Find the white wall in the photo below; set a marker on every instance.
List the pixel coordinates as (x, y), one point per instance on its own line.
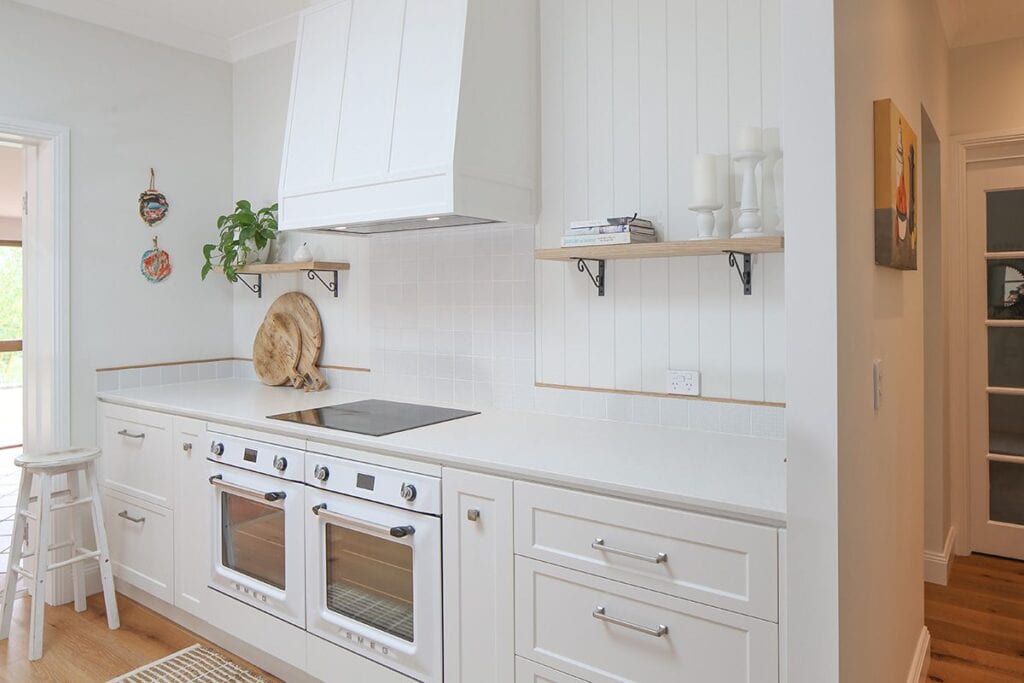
(885, 49)
(130, 105)
(985, 85)
(631, 91)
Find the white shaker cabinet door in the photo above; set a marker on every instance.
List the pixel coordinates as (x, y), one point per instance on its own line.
(191, 515)
(478, 567)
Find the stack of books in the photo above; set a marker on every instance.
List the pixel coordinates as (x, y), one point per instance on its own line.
(605, 231)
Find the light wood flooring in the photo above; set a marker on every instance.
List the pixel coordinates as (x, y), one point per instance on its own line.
(79, 648)
(977, 622)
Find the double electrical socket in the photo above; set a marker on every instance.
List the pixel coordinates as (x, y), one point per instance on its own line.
(683, 382)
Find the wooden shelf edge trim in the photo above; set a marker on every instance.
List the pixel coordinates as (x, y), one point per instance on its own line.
(1003, 255)
(10, 345)
(213, 360)
(1006, 391)
(628, 392)
(769, 244)
(300, 267)
(1004, 323)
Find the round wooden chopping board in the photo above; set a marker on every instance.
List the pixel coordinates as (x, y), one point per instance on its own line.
(303, 311)
(277, 349)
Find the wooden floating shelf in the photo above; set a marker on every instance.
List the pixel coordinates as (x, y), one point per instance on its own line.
(745, 245)
(299, 267)
(735, 247)
(312, 269)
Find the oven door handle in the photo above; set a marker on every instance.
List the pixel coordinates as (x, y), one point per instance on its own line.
(322, 512)
(269, 496)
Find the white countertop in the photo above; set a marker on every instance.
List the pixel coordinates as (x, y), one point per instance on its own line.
(738, 476)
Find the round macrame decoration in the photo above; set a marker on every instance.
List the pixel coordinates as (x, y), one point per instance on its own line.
(153, 206)
(156, 263)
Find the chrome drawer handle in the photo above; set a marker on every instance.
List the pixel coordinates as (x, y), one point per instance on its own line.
(598, 544)
(657, 631)
(126, 433)
(473, 515)
(124, 515)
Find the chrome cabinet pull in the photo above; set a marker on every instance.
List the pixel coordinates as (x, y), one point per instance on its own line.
(126, 433)
(123, 514)
(187, 447)
(269, 496)
(473, 514)
(598, 544)
(658, 631)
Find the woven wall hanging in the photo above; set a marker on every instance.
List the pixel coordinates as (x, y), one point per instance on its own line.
(153, 206)
(156, 263)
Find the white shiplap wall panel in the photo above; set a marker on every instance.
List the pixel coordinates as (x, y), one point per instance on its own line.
(601, 164)
(746, 312)
(624, 277)
(576, 185)
(550, 286)
(635, 88)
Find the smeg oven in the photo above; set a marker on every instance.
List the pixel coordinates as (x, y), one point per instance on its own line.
(373, 539)
(257, 525)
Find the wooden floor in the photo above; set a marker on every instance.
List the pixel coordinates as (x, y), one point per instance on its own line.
(79, 648)
(977, 622)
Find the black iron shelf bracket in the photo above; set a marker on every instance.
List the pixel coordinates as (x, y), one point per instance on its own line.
(744, 272)
(331, 286)
(256, 288)
(598, 280)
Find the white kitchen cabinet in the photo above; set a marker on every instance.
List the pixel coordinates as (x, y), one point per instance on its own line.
(532, 672)
(479, 641)
(141, 540)
(137, 454)
(606, 631)
(403, 111)
(191, 515)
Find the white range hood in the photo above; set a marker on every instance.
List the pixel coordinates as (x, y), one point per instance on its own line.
(408, 114)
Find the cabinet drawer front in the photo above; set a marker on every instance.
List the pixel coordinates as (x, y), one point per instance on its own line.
(137, 457)
(141, 541)
(532, 672)
(602, 630)
(720, 562)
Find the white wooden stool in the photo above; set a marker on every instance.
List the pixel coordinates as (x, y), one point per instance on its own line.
(80, 466)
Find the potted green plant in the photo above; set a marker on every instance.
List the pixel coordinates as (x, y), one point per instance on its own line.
(244, 237)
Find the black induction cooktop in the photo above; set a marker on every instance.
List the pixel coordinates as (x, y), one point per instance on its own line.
(373, 417)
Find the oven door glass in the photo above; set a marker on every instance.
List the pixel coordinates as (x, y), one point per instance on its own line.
(369, 579)
(252, 539)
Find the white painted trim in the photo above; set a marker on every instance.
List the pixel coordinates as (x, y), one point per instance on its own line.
(51, 350)
(277, 33)
(938, 564)
(922, 657)
(956, 268)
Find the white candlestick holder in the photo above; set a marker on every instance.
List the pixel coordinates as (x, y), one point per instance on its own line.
(749, 221)
(705, 220)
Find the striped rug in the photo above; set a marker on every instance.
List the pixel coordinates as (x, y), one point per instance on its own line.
(195, 664)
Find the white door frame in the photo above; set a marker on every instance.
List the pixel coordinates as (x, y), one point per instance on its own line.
(47, 357)
(966, 149)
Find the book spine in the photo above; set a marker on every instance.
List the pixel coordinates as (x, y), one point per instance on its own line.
(611, 229)
(591, 223)
(597, 240)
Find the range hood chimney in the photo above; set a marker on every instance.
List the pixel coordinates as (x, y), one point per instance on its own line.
(412, 114)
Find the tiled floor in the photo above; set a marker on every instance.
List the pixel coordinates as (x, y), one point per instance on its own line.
(9, 477)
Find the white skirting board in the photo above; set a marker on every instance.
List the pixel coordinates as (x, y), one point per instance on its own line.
(938, 564)
(922, 657)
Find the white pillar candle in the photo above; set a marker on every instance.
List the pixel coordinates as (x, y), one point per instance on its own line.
(705, 180)
(750, 140)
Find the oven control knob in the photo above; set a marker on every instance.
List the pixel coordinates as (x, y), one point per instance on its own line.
(321, 473)
(217, 448)
(408, 492)
(280, 463)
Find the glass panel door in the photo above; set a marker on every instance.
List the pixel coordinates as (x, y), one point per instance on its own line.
(11, 301)
(252, 539)
(370, 579)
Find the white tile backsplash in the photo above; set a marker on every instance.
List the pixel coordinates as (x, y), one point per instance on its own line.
(453, 323)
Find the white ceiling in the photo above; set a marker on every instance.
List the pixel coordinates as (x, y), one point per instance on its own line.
(224, 29)
(972, 22)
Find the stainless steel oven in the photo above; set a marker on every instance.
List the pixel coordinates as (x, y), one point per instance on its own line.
(257, 504)
(373, 543)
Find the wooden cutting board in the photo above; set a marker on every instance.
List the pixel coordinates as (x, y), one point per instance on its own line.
(277, 349)
(303, 311)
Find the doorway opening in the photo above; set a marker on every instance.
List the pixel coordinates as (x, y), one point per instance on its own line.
(12, 188)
